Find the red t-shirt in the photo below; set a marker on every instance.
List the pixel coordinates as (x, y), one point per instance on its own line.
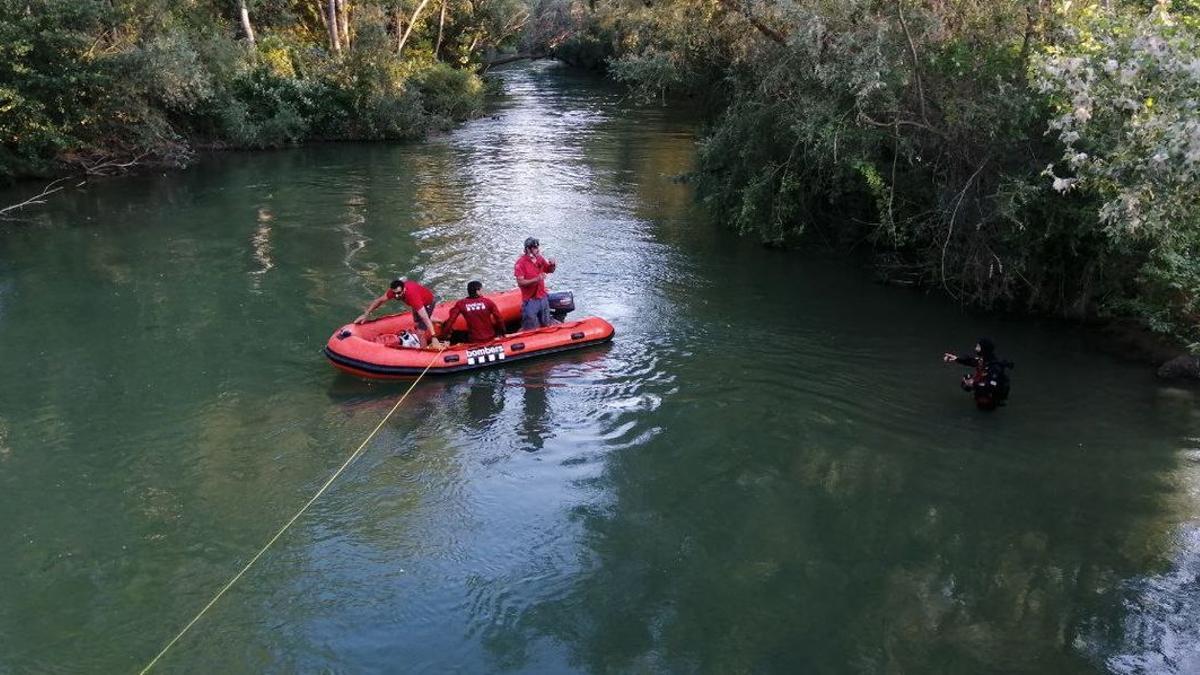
(415, 295)
(483, 318)
(527, 268)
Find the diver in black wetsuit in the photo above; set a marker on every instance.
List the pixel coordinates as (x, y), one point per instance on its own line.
(989, 383)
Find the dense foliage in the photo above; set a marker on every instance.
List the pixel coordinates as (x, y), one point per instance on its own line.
(1125, 88)
(1011, 152)
(98, 84)
(1031, 153)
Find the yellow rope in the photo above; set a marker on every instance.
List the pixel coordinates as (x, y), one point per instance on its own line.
(354, 455)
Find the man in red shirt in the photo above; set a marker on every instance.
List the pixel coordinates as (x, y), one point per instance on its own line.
(531, 270)
(416, 296)
(483, 316)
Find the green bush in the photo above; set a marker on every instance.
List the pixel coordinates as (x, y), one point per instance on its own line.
(50, 85)
(84, 82)
(918, 129)
(449, 93)
(589, 49)
(264, 110)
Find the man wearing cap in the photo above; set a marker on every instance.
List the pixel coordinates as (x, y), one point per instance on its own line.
(531, 270)
(417, 297)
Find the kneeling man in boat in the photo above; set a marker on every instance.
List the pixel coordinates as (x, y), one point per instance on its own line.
(484, 321)
(419, 299)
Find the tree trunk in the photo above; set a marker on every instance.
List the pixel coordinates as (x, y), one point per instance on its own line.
(399, 30)
(322, 15)
(912, 50)
(437, 49)
(244, 15)
(1031, 22)
(344, 22)
(335, 42)
(411, 22)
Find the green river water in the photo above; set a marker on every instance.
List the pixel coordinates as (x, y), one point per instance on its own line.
(768, 470)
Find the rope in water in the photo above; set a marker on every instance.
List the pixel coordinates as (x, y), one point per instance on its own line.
(353, 456)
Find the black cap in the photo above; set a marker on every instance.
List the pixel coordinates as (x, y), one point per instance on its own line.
(530, 242)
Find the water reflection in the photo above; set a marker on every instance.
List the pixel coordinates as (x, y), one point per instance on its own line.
(485, 400)
(841, 559)
(1160, 632)
(260, 244)
(1158, 629)
(535, 411)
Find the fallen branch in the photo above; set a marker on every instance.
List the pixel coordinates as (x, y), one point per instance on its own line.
(39, 198)
(532, 56)
(108, 167)
(897, 123)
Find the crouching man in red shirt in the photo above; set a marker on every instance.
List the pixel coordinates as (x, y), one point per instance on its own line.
(483, 317)
(419, 299)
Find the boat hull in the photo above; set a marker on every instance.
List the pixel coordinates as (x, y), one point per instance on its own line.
(367, 350)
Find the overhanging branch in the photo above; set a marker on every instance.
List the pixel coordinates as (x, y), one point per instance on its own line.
(774, 35)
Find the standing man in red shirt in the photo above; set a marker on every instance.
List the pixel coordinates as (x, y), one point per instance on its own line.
(416, 296)
(483, 316)
(531, 270)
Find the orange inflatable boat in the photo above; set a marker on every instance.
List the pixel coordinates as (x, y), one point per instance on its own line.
(372, 349)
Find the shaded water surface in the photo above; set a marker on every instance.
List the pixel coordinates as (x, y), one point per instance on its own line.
(768, 470)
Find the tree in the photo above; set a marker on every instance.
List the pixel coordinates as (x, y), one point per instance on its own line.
(412, 22)
(244, 16)
(1124, 90)
(331, 18)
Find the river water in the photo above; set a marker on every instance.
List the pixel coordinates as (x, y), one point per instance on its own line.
(768, 470)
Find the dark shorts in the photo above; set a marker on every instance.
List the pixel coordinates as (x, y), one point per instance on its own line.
(535, 313)
(418, 323)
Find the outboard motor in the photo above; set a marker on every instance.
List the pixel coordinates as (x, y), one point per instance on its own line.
(561, 302)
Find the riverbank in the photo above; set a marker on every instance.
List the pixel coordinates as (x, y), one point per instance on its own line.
(433, 99)
(96, 88)
(1130, 339)
(1127, 338)
(969, 143)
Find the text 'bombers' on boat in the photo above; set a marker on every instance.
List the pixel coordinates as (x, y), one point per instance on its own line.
(373, 349)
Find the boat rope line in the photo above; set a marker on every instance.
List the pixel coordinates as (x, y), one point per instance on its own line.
(349, 460)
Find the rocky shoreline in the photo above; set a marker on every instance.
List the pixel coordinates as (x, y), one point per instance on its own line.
(1130, 339)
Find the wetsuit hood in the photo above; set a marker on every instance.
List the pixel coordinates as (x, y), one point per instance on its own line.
(987, 348)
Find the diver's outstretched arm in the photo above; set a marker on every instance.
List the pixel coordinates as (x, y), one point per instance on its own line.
(964, 360)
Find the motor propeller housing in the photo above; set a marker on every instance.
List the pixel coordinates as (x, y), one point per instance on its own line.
(561, 304)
